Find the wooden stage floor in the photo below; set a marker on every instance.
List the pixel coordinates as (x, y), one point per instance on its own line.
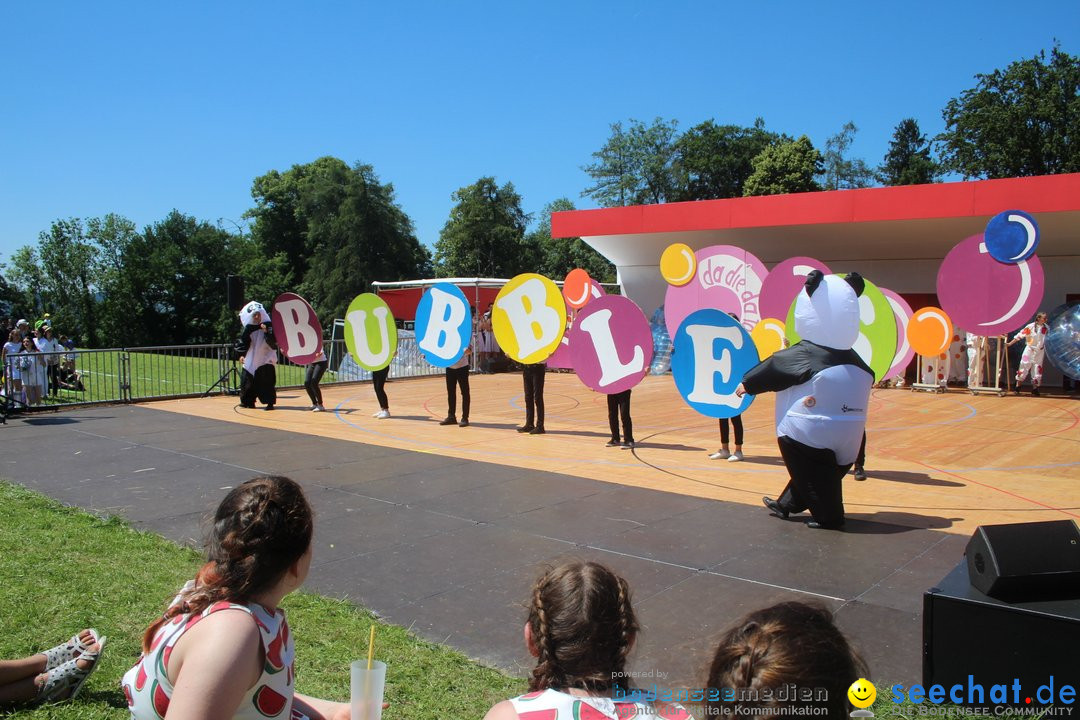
(948, 462)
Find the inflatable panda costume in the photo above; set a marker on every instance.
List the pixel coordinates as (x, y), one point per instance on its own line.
(258, 378)
(822, 389)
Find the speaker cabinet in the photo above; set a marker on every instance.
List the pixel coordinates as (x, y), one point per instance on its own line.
(1025, 560)
(234, 292)
(967, 633)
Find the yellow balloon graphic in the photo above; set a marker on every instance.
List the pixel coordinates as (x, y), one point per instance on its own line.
(678, 264)
(768, 337)
(529, 318)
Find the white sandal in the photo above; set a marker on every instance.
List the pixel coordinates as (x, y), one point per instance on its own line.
(65, 681)
(72, 649)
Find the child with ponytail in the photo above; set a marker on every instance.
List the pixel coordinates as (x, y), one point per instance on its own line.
(580, 629)
(223, 648)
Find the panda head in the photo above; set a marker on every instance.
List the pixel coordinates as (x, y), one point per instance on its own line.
(248, 312)
(827, 310)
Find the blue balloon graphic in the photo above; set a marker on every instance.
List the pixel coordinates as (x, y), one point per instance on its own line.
(718, 339)
(1011, 236)
(429, 312)
(1063, 339)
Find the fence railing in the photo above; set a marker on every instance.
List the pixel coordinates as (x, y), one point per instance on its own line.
(87, 377)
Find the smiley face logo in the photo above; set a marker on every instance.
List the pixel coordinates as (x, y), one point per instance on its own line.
(862, 693)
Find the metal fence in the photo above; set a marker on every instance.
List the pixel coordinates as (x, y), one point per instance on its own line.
(86, 377)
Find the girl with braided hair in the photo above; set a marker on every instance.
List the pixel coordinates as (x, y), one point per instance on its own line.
(223, 648)
(581, 627)
(772, 649)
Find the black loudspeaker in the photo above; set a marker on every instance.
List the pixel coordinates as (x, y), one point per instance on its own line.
(234, 292)
(976, 641)
(1025, 560)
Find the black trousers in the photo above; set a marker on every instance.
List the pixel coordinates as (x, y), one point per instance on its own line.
(618, 406)
(533, 377)
(736, 422)
(457, 377)
(312, 375)
(861, 459)
(261, 385)
(816, 482)
(54, 379)
(378, 380)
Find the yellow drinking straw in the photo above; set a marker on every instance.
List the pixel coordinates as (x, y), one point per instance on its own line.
(371, 646)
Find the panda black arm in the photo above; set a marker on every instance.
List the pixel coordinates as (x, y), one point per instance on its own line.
(270, 340)
(781, 370)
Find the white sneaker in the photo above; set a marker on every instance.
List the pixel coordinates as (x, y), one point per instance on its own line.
(736, 456)
(376, 414)
(318, 408)
(720, 455)
(382, 414)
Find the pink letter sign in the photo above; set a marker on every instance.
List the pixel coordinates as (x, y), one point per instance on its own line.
(297, 329)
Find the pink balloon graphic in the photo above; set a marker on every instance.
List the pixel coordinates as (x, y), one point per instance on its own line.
(783, 283)
(297, 329)
(611, 344)
(904, 352)
(984, 296)
(728, 279)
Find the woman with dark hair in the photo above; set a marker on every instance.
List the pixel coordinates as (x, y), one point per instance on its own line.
(580, 629)
(223, 647)
(771, 649)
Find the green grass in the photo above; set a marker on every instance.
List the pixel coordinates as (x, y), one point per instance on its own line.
(62, 569)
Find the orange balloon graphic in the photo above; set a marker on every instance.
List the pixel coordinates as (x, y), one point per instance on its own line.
(930, 331)
(577, 288)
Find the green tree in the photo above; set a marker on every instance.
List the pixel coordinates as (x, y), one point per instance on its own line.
(908, 161)
(366, 237)
(558, 256)
(787, 167)
(485, 235)
(119, 283)
(635, 166)
(1024, 120)
(839, 171)
(10, 299)
(714, 161)
(327, 230)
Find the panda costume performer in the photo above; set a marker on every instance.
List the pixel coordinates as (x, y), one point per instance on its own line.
(822, 389)
(258, 379)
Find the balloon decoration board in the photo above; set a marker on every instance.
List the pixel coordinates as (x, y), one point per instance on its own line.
(876, 344)
(713, 352)
(930, 331)
(529, 318)
(768, 336)
(297, 329)
(984, 296)
(577, 289)
(443, 324)
(370, 332)
(726, 278)
(1011, 236)
(783, 283)
(611, 344)
(678, 264)
(1063, 339)
(904, 352)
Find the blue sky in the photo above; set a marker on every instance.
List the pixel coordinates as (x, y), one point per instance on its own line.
(139, 108)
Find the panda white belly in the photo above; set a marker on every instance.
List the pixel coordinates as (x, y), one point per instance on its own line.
(828, 411)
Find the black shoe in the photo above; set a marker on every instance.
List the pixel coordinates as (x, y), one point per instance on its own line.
(815, 525)
(860, 473)
(776, 508)
(449, 421)
(1035, 392)
(464, 422)
(627, 445)
(538, 430)
(612, 443)
(269, 407)
(526, 429)
(249, 407)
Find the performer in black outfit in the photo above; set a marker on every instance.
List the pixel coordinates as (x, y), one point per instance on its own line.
(258, 378)
(533, 377)
(823, 389)
(457, 375)
(312, 376)
(618, 405)
(378, 380)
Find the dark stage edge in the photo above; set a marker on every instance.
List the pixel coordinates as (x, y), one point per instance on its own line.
(449, 548)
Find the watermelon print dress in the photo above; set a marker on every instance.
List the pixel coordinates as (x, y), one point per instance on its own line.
(555, 705)
(148, 690)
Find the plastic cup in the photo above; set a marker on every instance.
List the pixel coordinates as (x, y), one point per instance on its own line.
(366, 696)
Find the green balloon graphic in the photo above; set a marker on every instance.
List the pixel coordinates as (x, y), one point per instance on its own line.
(370, 332)
(876, 344)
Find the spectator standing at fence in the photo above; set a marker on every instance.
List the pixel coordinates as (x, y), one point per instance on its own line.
(10, 368)
(53, 358)
(32, 371)
(23, 326)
